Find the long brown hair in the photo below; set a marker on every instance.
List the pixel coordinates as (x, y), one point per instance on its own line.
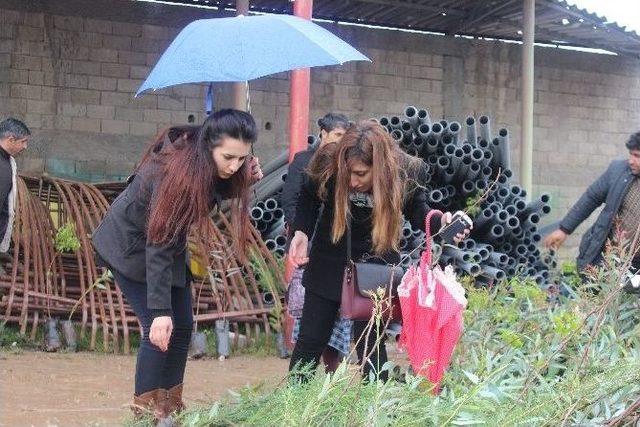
(371, 144)
(189, 180)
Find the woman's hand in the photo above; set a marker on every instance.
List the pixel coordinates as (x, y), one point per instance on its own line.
(160, 333)
(298, 249)
(255, 170)
(447, 217)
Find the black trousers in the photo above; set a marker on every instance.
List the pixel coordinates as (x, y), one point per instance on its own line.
(154, 367)
(318, 317)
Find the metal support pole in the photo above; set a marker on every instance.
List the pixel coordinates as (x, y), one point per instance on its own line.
(240, 88)
(300, 92)
(526, 152)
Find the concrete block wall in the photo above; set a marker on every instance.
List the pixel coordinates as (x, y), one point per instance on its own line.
(71, 69)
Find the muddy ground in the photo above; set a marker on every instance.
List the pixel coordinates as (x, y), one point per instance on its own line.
(93, 389)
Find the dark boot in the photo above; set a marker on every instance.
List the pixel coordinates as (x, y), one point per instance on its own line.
(331, 359)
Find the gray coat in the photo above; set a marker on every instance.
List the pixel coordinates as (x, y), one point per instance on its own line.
(121, 241)
(610, 188)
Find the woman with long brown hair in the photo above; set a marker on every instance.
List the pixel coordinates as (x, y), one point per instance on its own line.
(142, 240)
(366, 184)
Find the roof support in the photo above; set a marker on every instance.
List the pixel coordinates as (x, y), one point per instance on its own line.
(240, 89)
(526, 151)
(300, 92)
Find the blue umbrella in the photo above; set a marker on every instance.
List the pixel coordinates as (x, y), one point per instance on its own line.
(245, 48)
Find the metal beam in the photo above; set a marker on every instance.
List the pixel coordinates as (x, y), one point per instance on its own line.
(300, 92)
(240, 89)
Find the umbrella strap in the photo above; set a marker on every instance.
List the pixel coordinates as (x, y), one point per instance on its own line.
(426, 254)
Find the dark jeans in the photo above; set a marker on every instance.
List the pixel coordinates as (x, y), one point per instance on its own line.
(318, 317)
(156, 368)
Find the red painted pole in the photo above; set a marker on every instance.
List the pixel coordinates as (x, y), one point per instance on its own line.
(299, 94)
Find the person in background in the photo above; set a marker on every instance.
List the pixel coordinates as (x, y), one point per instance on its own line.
(14, 138)
(618, 188)
(332, 129)
(142, 240)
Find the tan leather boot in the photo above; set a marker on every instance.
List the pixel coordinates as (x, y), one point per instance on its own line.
(174, 401)
(145, 403)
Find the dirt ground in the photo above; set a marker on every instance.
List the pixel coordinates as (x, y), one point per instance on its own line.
(90, 389)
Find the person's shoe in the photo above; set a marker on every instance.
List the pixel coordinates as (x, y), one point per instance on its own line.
(145, 404)
(174, 400)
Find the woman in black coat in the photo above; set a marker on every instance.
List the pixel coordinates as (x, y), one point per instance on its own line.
(142, 240)
(366, 184)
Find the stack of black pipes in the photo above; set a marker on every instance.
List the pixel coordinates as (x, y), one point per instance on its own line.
(468, 169)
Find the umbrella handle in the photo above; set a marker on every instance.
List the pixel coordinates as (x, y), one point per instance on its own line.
(426, 254)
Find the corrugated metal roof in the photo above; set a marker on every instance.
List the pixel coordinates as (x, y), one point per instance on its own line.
(557, 22)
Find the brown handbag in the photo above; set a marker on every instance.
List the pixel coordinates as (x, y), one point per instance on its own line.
(361, 279)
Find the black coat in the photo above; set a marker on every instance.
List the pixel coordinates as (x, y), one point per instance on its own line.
(6, 184)
(293, 184)
(610, 188)
(323, 275)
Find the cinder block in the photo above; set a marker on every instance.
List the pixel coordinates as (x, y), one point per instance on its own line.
(103, 55)
(102, 83)
(89, 40)
(157, 116)
(86, 67)
(170, 103)
(85, 124)
(26, 62)
(115, 98)
(76, 81)
(98, 26)
(11, 17)
(100, 111)
(116, 42)
(85, 96)
(115, 70)
(36, 78)
(60, 167)
(27, 33)
(155, 32)
(139, 71)
(128, 85)
(131, 58)
(71, 23)
(120, 127)
(30, 165)
(26, 91)
(127, 29)
(72, 110)
(143, 129)
(119, 167)
(40, 107)
(129, 114)
(149, 45)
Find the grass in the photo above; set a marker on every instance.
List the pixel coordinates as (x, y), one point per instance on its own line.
(526, 358)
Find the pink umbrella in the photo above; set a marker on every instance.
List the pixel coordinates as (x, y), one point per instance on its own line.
(432, 302)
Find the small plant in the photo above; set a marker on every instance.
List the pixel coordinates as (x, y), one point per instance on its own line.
(66, 240)
(100, 283)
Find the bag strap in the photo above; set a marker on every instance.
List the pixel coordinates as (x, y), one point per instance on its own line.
(425, 259)
(349, 240)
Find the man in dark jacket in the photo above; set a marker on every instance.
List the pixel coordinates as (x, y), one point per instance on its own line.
(332, 129)
(619, 189)
(14, 137)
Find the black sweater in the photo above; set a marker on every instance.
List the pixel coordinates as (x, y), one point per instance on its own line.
(323, 275)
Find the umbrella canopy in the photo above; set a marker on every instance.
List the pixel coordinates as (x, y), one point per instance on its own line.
(245, 48)
(432, 302)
